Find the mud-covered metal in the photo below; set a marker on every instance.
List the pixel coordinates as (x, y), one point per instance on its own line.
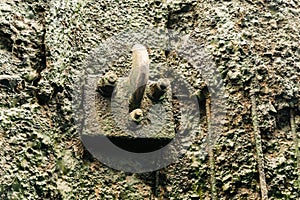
(168, 111)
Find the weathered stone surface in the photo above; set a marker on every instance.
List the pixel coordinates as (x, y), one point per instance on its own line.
(254, 44)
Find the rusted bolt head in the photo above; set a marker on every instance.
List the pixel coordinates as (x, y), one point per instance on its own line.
(163, 84)
(136, 115)
(111, 77)
(107, 83)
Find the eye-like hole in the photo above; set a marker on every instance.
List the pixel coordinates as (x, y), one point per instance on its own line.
(157, 3)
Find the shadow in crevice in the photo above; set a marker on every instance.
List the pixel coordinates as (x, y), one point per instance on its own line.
(139, 145)
(6, 42)
(157, 180)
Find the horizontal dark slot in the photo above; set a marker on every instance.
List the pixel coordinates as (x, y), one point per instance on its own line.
(137, 145)
(140, 145)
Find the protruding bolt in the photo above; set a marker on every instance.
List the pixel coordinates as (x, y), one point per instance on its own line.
(137, 115)
(158, 89)
(107, 83)
(139, 75)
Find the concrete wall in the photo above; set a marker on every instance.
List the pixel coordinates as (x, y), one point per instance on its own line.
(255, 47)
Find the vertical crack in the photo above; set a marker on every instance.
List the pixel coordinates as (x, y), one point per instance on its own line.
(43, 42)
(210, 151)
(259, 152)
(296, 144)
(156, 187)
(42, 55)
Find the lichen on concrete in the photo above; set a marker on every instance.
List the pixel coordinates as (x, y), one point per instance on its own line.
(43, 47)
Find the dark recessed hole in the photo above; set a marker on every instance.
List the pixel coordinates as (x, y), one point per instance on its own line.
(4, 83)
(5, 41)
(157, 3)
(18, 41)
(283, 118)
(43, 98)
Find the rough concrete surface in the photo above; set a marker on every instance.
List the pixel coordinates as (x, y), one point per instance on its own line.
(253, 44)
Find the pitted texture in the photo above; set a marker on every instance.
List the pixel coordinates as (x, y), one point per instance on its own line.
(254, 44)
